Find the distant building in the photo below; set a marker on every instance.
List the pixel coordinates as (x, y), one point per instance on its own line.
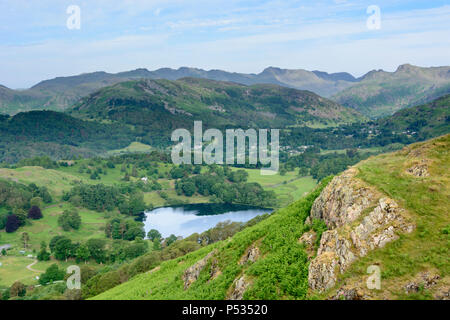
(144, 179)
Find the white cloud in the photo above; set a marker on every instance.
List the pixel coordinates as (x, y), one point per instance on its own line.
(242, 37)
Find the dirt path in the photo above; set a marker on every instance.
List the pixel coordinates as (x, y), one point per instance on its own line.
(29, 267)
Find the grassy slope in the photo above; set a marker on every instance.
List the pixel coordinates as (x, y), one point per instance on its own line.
(288, 188)
(217, 104)
(134, 147)
(427, 200)
(431, 119)
(14, 264)
(281, 273)
(44, 229)
(382, 93)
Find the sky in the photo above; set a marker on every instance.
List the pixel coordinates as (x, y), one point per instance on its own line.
(233, 35)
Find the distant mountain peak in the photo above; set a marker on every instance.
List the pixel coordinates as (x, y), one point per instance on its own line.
(406, 68)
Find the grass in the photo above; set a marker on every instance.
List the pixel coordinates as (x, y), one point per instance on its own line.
(47, 227)
(288, 188)
(427, 199)
(56, 181)
(280, 273)
(362, 150)
(14, 268)
(134, 147)
(14, 264)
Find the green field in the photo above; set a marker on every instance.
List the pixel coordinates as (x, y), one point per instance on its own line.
(288, 188)
(56, 181)
(92, 226)
(14, 268)
(134, 147)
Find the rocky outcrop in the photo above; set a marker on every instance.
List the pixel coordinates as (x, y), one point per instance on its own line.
(250, 255)
(192, 273)
(308, 238)
(423, 280)
(380, 226)
(419, 169)
(238, 288)
(343, 200)
(360, 219)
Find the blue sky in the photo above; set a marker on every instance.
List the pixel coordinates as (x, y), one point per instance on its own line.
(241, 36)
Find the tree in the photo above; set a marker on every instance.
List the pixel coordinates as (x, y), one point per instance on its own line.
(134, 172)
(136, 203)
(63, 249)
(43, 254)
(171, 239)
(157, 244)
(53, 273)
(21, 215)
(154, 234)
(189, 188)
(12, 224)
(35, 213)
(83, 253)
(69, 219)
(18, 289)
(96, 249)
(25, 240)
(36, 201)
(53, 242)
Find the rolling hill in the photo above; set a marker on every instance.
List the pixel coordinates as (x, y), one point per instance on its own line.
(428, 120)
(375, 94)
(55, 134)
(126, 113)
(160, 106)
(388, 212)
(61, 92)
(380, 93)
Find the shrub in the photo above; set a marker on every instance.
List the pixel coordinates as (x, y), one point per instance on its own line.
(12, 223)
(53, 273)
(35, 213)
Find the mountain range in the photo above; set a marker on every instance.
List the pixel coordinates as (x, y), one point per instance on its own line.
(375, 94)
(381, 93)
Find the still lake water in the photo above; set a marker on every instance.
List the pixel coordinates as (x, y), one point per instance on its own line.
(188, 219)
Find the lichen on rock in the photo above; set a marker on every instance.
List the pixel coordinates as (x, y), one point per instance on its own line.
(239, 287)
(251, 255)
(192, 273)
(345, 205)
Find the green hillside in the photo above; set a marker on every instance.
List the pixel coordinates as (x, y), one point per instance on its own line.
(163, 105)
(62, 92)
(381, 93)
(279, 273)
(428, 120)
(39, 133)
(267, 261)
